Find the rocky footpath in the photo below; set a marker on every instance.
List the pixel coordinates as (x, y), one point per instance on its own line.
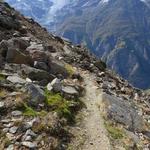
(41, 82)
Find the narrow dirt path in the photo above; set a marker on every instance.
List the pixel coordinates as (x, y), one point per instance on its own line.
(91, 129)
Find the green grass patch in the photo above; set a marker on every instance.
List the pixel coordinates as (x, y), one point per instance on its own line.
(2, 77)
(114, 132)
(29, 111)
(60, 105)
(3, 92)
(69, 69)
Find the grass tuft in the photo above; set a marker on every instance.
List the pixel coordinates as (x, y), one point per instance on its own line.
(2, 77)
(69, 69)
(114, 132)
(59, 104)
(3, 92)
(29, 111)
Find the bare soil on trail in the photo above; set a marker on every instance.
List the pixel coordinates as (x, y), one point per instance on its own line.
(89, 132)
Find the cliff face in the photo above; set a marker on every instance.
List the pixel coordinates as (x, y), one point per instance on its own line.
(45, 84)
(118, 31)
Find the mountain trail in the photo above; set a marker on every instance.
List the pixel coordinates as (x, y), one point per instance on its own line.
(91, 134)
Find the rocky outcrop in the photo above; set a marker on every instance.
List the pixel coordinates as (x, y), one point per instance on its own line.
(110, 34)
(122, 111)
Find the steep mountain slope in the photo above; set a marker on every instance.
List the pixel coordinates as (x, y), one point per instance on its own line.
(54, 95)
(116, 30)
(119, 32)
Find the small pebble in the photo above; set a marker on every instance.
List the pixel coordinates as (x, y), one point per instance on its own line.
(16, 113)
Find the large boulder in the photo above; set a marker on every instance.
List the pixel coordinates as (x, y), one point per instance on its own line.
(37, 95)
(16, 56)
(122, 111)
(13, 43)
(13, 51)
(18, 43)
(36, 74)
(58, 68)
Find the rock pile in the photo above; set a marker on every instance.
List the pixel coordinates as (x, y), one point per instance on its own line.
(39, 91)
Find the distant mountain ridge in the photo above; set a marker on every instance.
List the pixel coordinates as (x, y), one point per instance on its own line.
(116, 30)
(119, 32)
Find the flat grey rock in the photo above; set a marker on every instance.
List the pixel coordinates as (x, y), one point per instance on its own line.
(29, 144)
(16, 113)
(16, 79)
(69, 90)
(122, 111)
